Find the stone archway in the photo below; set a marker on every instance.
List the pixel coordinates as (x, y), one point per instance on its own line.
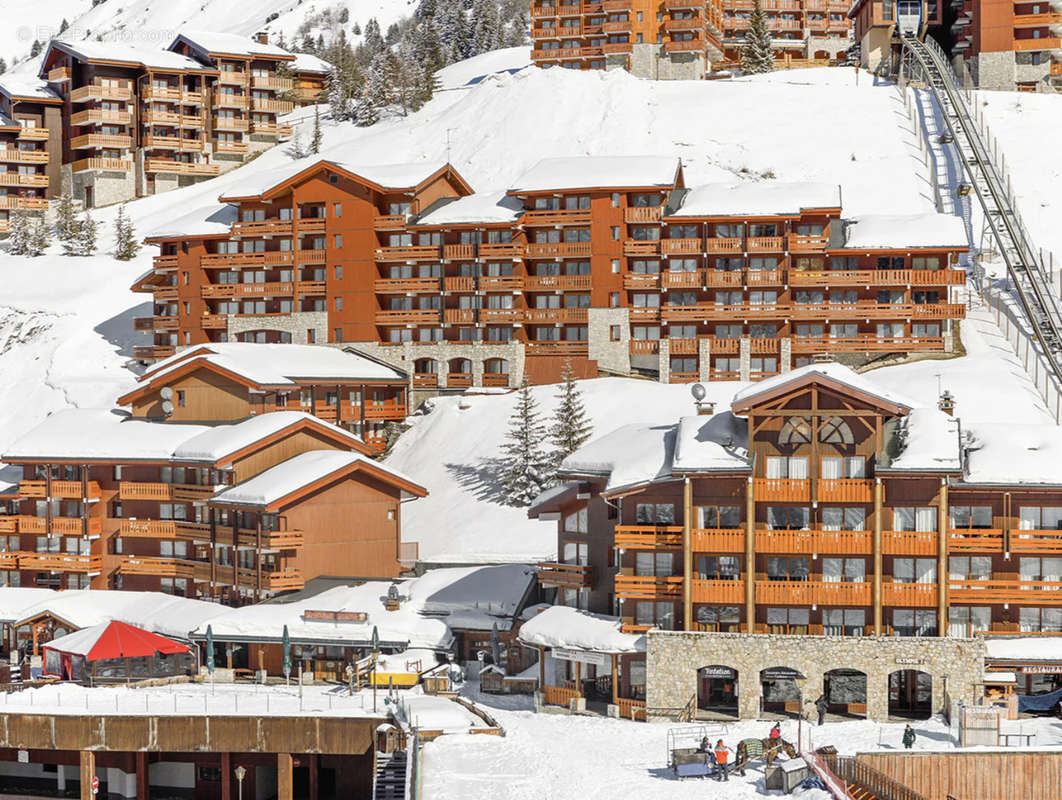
(717, 692)
(910, 694)
(782, 691)
(846, 692)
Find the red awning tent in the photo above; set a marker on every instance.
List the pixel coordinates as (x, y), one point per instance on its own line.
(77, 654)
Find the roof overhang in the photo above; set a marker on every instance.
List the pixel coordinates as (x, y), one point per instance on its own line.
(750, 402)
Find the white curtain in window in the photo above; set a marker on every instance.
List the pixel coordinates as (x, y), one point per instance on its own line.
(903, 519)
(855, 467)
(925, 519)
(1029, 517)
(776, 467)
(832, 569)
(643, 564)
(832, 519)
(926, 570)
(798, 467)
(832, 468)
(1029, 619)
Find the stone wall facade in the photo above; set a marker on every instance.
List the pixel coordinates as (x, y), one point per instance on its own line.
(611, 356)
(296, 323)
(650, 60)
(674, 657)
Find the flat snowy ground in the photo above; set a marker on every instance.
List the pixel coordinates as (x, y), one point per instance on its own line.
(592, 758)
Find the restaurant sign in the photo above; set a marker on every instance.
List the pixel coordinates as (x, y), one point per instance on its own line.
(581, 656)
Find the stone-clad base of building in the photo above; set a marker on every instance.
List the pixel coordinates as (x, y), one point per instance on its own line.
(653, 62)
(297, 323)
(674, 657)
(1001, 70)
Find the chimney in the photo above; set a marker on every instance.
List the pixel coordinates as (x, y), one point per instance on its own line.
(946, 403)
(262, 37)
(705, 408)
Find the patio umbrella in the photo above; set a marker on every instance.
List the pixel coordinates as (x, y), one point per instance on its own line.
(286, 641)
(210, 650)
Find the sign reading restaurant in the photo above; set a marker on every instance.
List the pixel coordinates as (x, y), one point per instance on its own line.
(582, 656)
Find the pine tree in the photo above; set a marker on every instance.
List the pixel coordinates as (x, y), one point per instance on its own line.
(315, 138)
(71, 244)
(63, 25)
(526, 470)
(65, 219)
(365, 112)
(40, 237)
(571, 427)
(125, 243)
(757, 54)
(378, 86)
(35, 49)
(86, 235)
(487, 31)
(18, 241)
(3, 66)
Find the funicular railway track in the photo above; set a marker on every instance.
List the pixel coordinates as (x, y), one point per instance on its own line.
(1025, 267)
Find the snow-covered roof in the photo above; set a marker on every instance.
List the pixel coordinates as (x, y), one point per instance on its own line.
(487, 208)
(308, 62)
(276, 483)
(210, 220)
(217, 442)
(279, 364)
(23, 84)
(108, 435)
(14, 600)
(710, 443)
(153, 611)
(389, 176)
(152, 58)
(596, 172)
(430, 713)
(1023, 648)
(1010, 452)
(831, 370)
(929, 442)
(103, 434)
(759, 199)
(905, 231)
(214, 43)
(474, 598)
(562, 626)
(10, 476)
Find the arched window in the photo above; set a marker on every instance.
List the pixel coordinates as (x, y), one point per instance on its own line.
(426, 365)
(836, 431)
(796, 430)
(461, 366)
(496, 366)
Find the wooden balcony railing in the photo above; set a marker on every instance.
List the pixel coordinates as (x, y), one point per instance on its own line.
(558, 696)
(231, 124)
(782, 489)
(16, 179)
(275, 289)
(1035, 541)
(865, 344)
(844, 490)
(409, 317)
(501, 283)
(501, 250)
(639, 214)
(148, 528)
(648, 587)
(266, 227)
(555, 315)
(765, 244)
(631, 709)
(59, 74)
(1006, 591)
(152, 352)
(878, 277)
(978, 540)
(14, 155)
(29, 134)
(271, 106)
(684, 45)
(190, 493)
(158, 566)
(67, 490)
(717, 540)
(273, 258)
(717, 591)
(410, 253)
(560, 216)
(909, 543)
(919, 595)
(100, 140)
(138, 490)
(101, 165)
(558, 249)
(813, 592)
(60, 562)
(813, 541)
(648, 537)
(571, 576)
(271, 82)
(91, 92)
(180, 167)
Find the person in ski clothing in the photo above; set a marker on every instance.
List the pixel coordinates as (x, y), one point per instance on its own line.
(776, 732)
(722, 756)
(908, 737)
(706, 745)
(821, 705)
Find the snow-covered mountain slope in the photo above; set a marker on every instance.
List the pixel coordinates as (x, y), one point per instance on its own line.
(73, 335)
(154, 23)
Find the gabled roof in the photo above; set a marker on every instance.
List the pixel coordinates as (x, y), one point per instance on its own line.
(383, 178)
(211, 43)
(599, 172)
(491, 208)
(832, 374)
(115, 639)
(301, 474)
(266, 366)
(123, 54)
(307, 62)
(223, 444)
(22, 86)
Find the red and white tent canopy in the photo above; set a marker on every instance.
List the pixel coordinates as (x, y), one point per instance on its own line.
(114, 639)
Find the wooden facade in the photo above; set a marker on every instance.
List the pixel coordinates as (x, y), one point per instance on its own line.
(712, 297)
(30, 135)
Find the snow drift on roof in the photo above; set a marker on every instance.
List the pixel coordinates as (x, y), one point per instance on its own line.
(152, 611)
(1008, 452)
(14, 600)
(831, 370)
(492, 207)
(710, 443)
(146, 56)
(279, 364)
(15, 84)
(562, 626)
(96, 433)
(213, 444)
(307, 62)
(929, 441)
(761, 199)
(904, 231)
(298, 471)
(229, 43)
(590, 172)
(206, 221)
(389, 176)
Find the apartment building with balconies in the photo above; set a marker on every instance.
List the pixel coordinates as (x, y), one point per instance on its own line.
(30, 146)
(237, 511)
(1009, 45)
(680, 39)
(818, 504)
(232, 381)
(611, 265)
(815, 30)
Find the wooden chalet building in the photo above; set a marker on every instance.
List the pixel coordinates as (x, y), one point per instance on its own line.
(131, 121)
(310, 76)
(236, 511)
(231, 381)
(817, 505)
(686, 39)
(30, 133)
(611, 264)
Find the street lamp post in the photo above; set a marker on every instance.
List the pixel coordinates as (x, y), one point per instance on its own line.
(241, 773)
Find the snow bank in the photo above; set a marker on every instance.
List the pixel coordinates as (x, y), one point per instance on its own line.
(560, 626)
(474, 70)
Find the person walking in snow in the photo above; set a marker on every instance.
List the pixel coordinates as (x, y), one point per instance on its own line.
(776, 732)
(821, 705)
(722, 756)
(908, 737)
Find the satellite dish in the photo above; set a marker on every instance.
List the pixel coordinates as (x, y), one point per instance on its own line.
(166, 393)
(698, 391)
(167, 407)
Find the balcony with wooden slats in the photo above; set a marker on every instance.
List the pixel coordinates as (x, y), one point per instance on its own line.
(555, 315)
(975, 540)
(717, 540)
(648, 587)
(568, 576)
(67, 490)
(24, 203)
(142, 490)
(844, 490)
(802, 593)
(231, 124)
(165, 165)
(240, 290)
(909, 543)
(95, 91)
(60, 562)
(101, 165)
(550, 283)
(16, 156)
(1013, 590)
(16, 179)
(911, 595)
(147, 529)
(784, 490)
(406, 285)
(1035, 541)
(409, 317)
(813, 541)
(648, 537)
(558, 249)
(158, 566)
(557, 217)
(878, 277)
(270, 258)
(92, 141)
(409, 253)
(717, 591)
(271, 106)
(273, 82)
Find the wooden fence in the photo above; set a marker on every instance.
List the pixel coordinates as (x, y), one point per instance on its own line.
(981, 775)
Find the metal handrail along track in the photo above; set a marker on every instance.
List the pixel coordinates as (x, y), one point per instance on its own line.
(1024, 267)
